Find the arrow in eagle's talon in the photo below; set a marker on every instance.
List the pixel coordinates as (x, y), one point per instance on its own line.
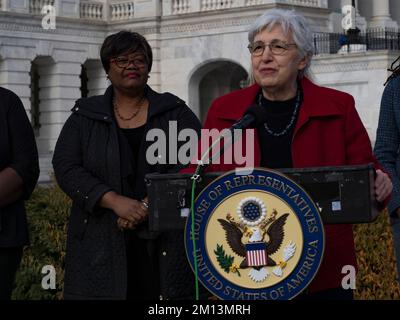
(278, 272)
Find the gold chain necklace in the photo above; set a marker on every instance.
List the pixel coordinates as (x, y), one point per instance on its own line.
(135, 113)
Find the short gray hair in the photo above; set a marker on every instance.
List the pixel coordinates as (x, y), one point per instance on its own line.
(291, 22)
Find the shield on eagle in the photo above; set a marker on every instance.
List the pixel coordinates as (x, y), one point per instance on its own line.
(256, 254)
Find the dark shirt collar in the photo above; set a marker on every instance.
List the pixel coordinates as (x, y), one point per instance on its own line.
(277, 107)
(101, 108)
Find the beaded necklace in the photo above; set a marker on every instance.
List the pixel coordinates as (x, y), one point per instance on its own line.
(292, 120)
(135, 113)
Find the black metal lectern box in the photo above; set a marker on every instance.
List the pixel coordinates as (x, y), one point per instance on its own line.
(343, 194)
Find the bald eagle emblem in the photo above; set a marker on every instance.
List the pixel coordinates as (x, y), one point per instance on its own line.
(256, 239)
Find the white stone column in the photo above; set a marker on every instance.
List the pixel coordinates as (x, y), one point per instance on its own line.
(59, 89)
(4, 5)
(59, 85)
(14, 75)
(381, 15)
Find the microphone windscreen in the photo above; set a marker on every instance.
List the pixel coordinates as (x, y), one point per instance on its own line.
(259, 113)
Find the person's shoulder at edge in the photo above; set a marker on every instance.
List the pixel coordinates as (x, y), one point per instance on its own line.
(8, 97)
(393, 84)
(96, 104)
(89, 103)
(165, 97)
(5, 91)
(92, 99)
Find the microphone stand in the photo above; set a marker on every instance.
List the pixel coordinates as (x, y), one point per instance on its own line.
(196, 178)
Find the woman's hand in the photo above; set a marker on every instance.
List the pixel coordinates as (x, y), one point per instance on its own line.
(383, 185)
(11, 186)
(124, 224)
(129, 209)
(126, 208)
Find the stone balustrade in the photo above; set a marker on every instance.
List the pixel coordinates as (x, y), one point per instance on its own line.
(127, 10)
(35, 6)
(91, 10)
(181, 6)
(216, 4)
(187, 6)
(122, 11)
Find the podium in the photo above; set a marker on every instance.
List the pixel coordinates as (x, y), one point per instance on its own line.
(343, 194)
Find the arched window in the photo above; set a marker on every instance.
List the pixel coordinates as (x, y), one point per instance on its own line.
(84, 82)
(35, 102)
(212, 80)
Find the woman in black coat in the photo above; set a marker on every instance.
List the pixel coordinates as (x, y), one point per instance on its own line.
(100, 162)
(19, 172)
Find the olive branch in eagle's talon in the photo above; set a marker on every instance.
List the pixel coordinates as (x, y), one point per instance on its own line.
(225, 261)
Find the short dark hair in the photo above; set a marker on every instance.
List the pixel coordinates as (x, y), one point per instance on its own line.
(124, 42)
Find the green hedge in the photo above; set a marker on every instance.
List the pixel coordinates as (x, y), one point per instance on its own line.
(377, 276)
(48, 212)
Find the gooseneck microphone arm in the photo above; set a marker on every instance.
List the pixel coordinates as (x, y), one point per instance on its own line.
(253, 117)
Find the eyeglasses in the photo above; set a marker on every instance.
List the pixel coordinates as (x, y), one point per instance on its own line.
(124, 62)
(277, 47)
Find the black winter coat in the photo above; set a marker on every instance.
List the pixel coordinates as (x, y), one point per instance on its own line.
(18, 151)
(91, 158)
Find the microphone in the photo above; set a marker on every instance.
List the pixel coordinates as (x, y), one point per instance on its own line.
(252, 118)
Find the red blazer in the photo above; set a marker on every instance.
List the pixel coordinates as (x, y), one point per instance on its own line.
(328, 132)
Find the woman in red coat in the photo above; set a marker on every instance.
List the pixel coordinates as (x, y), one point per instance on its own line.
(307, 126)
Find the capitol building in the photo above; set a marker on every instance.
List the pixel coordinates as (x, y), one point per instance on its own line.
(199, 51)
